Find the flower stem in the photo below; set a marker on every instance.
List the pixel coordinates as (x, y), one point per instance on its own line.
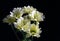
(15, 32)
(32, 38)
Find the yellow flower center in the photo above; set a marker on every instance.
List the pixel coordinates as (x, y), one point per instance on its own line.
(33, 30)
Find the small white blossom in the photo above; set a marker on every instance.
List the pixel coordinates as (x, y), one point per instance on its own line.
(19, 23)
(36, 16)
(26, 27)
(32, 14)
(9, 19)
(28, 9)
(22, 24)
(17, 13)
(34, 30)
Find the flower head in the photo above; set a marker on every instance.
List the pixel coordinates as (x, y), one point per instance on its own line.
(36, 16)
(9, 19)
(17, 12)
(34, 30)
(22, 24)
(19, 23)
(28, 9)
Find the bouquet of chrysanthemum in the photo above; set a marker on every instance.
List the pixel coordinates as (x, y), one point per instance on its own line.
(21, 19)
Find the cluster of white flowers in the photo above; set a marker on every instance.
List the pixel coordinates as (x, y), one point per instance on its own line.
(22, 17)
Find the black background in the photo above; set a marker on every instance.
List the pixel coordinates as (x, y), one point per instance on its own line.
(6, 33)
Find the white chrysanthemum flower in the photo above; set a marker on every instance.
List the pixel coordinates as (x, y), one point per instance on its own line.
(26, 27)
(9, 19)
(28, 9)
(22, 24)
(19, 23)
(32, 14)
(17, 13)
(34, 30)
(36, 16)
